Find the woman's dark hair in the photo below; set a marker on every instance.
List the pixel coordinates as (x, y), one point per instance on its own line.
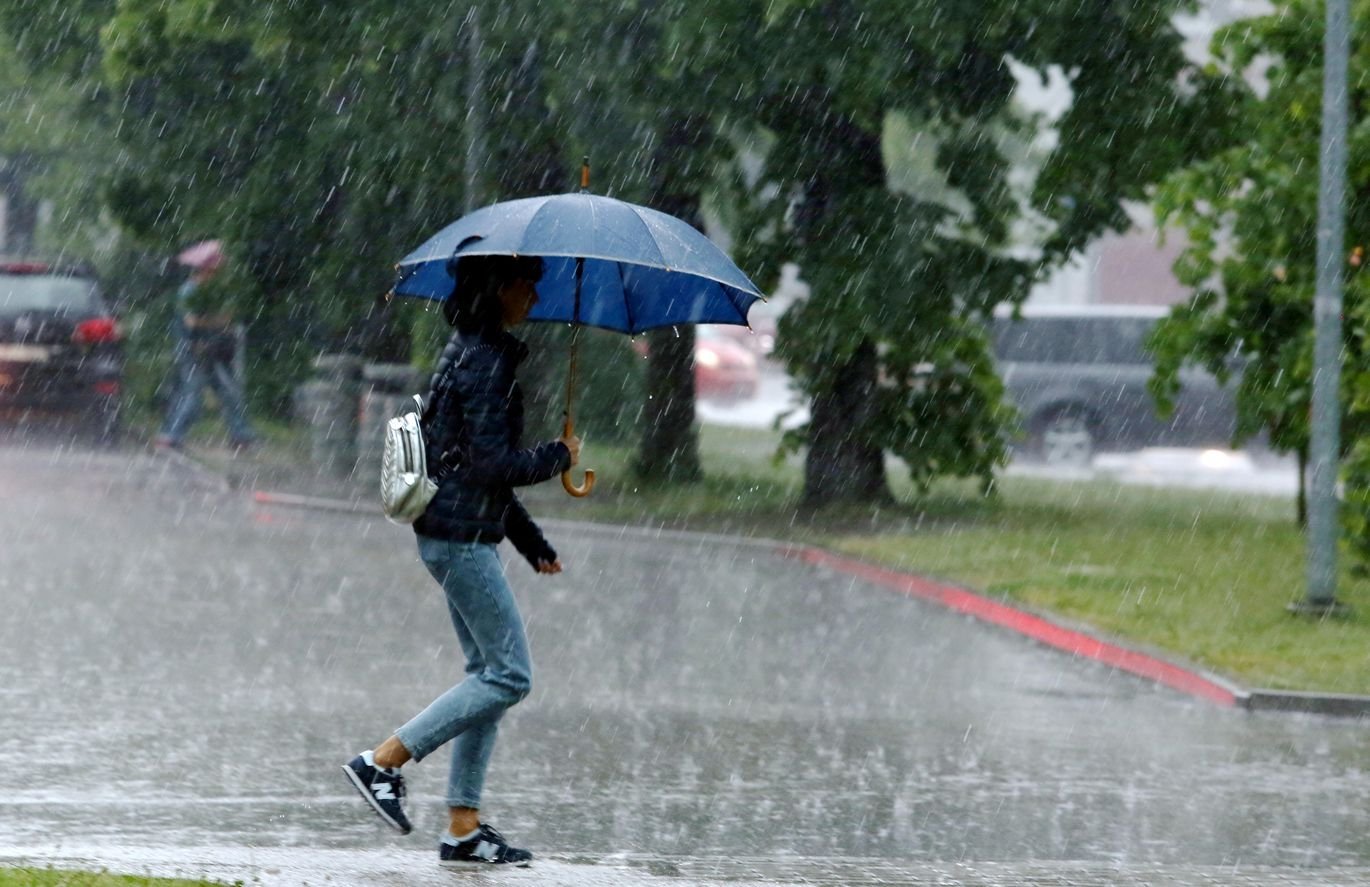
(474, 304)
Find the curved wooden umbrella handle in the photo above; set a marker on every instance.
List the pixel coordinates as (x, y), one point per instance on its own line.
(583, 489)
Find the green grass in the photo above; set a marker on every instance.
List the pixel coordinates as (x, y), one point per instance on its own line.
(1206, 577)
(742, 490)
(27, 877)
(1203, 575)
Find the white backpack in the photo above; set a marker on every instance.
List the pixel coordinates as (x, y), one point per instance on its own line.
(406, 488)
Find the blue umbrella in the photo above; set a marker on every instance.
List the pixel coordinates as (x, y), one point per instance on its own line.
(606, 264)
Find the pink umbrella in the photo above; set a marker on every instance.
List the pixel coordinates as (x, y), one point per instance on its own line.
(205, 254)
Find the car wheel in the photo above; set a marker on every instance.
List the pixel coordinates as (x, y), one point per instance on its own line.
(1066, 440)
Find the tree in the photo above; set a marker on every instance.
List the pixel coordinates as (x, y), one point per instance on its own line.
(646, 115)
(323, 147)
(890, 348)
(277, 133)
(320, 147)
(58, 148)
(49, 140)
(1248, 208)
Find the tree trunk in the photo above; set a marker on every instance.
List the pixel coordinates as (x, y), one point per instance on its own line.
(842, 464)
(669, 449)
(21, 212)
(839, 467)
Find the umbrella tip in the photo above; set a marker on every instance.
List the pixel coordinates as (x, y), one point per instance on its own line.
(585, 173)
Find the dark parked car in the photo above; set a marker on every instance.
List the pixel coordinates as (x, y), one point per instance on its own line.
(60, 350)
(1078, 374)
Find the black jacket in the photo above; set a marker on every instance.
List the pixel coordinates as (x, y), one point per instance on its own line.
(473, 423)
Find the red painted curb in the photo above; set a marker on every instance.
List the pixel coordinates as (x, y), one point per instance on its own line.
(1073, 642)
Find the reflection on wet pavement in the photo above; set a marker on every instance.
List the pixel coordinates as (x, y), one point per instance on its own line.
(183, 672)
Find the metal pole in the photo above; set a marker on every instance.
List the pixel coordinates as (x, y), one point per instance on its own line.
(1324, 439)
(475, 109)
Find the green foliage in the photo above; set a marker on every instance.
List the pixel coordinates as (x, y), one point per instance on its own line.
(1135, 114)
(905, 245)
(955, 401)
(1248, 207)
(609, 384)
(1140, 564)
(52, 135)
(321, 147)
(1355, 386)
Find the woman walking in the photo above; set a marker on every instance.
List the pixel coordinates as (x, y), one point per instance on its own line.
(473, 423)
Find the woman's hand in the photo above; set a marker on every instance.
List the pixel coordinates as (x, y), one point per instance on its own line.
(549, 567)
(573, 444)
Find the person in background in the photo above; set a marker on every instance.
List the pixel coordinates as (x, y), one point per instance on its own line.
(204, 344)
(472, 429)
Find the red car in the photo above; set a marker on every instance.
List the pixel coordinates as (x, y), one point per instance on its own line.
(724, 370)
(759, 340)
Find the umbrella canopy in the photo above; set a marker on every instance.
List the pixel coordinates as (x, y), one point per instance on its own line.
(606, 263)
(205, 254)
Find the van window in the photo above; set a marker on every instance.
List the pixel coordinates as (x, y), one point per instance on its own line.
(1116, 340)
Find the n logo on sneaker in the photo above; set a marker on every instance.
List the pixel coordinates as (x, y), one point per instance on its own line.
(485, 850)
(382, 791)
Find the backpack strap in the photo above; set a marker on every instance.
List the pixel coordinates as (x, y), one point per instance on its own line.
(429, 402)
(438, 388)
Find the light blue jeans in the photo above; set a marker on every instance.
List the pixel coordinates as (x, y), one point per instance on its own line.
(499, 672)
(192, 376)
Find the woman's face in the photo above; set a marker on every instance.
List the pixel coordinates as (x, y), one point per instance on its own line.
(517, 298)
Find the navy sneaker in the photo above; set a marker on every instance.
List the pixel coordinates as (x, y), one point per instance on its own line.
(487, 847)
(383, 790)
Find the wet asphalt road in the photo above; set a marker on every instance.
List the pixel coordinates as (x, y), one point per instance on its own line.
(182, 673)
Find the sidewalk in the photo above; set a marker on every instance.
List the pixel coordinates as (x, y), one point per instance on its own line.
(756, 719)
(299, 867)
